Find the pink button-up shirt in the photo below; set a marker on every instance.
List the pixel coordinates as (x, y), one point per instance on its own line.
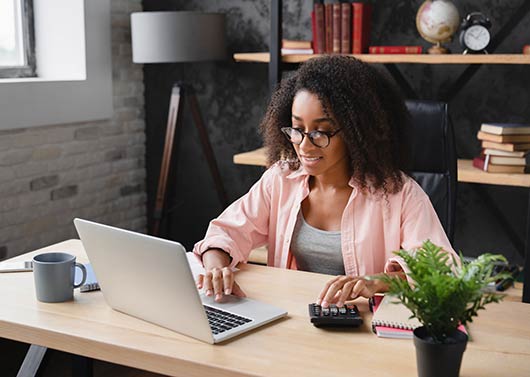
(372, 226)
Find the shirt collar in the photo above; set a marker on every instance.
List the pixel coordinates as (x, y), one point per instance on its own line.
(301, 172)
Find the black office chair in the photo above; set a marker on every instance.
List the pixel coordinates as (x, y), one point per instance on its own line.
(433, 158)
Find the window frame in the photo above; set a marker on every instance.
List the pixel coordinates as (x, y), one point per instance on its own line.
(28, 35)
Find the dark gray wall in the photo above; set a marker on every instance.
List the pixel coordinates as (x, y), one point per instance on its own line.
(233, 98)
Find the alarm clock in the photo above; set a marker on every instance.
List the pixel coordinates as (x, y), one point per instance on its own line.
(474, 34)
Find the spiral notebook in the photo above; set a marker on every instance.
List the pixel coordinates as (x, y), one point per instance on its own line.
(392, 319)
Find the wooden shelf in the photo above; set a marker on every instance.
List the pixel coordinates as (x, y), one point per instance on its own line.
(264, 57)
(466, 171)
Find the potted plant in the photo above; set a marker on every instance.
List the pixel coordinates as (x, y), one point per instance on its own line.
(443, 295)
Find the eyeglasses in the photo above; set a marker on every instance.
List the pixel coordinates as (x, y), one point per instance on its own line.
(319, 139)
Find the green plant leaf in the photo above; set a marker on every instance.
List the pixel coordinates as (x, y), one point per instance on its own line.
(445, 293)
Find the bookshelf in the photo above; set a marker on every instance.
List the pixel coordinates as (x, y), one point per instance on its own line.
(466, 172)
(264, 57)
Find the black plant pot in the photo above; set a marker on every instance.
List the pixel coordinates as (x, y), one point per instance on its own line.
(439, 359)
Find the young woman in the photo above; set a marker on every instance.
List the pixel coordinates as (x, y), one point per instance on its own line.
(336, 198)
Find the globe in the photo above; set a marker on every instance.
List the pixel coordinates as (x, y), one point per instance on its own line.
(437, 21)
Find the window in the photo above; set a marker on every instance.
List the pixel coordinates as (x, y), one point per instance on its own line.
(17, 47)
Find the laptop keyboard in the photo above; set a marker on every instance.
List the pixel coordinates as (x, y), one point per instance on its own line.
(221, 321)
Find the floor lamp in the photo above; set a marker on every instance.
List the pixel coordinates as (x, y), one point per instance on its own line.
(175, 37)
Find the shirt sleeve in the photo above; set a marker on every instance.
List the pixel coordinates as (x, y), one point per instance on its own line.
(243, 226)
(419, 222)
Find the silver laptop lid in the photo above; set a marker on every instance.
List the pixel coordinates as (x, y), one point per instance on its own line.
(146, 277)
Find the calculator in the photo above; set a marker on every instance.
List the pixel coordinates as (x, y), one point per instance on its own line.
(333, 316)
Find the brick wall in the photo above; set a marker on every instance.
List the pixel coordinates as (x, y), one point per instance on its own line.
(50, 175)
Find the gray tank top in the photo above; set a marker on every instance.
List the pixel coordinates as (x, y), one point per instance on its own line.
(316, 250)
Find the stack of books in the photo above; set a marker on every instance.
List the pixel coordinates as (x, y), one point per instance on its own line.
(341, 27)
(292, 47)
(505, 148)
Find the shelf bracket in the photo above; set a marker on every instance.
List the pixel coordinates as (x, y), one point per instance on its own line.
(403, 83)
(275, 45)
(470, 71)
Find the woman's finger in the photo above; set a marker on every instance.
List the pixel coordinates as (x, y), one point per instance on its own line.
(207, 283)
(217, 282)
(228, 280)
(200, 280)
(333, 289)
(359, 286)
(345, 293)
(325, 289)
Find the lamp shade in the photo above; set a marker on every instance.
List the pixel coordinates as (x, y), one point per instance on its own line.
(171, 37)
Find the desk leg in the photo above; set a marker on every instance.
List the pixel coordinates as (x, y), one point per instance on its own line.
(32, 361)
(526, 267)
(82, 366)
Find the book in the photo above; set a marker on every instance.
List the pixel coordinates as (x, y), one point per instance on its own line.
(482, 163)
(294, 51)
(503, 160)
(497, 152)
(319, 23)
(510, 147)
(314, 29)
(336, 27)
(526, 49)
(392, 319)
(481, 135)
(361, 27)
(395, 50)
(506, 128)
(392, 314)
(328, 27)
(345, 28)
(295, 44)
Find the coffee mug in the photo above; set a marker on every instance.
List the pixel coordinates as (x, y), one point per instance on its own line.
(54, 275)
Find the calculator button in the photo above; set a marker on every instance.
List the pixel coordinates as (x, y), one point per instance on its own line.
(334, 310)
(325, 311)
(342, 310)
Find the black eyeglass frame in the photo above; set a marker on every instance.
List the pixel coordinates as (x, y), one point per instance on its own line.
(310, 135)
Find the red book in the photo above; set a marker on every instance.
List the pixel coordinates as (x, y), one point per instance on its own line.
(395, 50)
(319, 22)
(345, 28)
(482, 163)
(314, 30)
(361, 26)
(526, 49)
(328, 18)
(336, 28)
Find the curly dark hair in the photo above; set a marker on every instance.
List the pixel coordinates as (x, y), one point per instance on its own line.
(368, 108)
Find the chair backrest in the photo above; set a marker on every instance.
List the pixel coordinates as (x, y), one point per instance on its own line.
(433, 158)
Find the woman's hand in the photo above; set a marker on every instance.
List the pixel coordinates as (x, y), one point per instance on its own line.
(343, 288)
(218, 280)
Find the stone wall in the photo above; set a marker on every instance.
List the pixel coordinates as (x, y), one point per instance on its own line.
(49, 175)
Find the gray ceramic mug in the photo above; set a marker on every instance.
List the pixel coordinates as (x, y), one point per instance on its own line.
(54, 275)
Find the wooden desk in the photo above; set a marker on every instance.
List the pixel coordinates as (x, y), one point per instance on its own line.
(88, 327)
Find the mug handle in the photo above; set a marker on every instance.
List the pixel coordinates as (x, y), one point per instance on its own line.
(83, 269)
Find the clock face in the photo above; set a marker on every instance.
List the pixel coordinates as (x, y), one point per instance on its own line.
(476, 38)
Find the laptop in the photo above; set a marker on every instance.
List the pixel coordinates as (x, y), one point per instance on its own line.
(150, 278)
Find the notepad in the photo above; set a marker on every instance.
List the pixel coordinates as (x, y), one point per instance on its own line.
(392, 319)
